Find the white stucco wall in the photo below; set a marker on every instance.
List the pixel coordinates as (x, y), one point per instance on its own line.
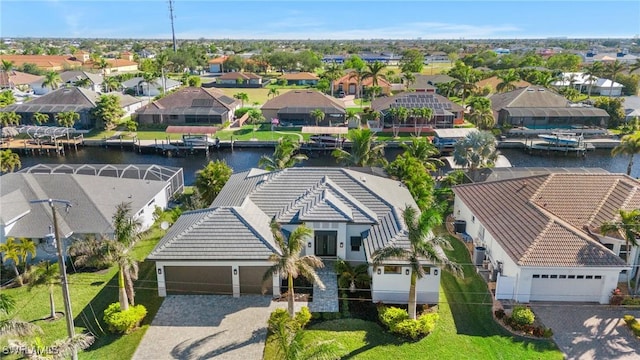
(394, 288)
(145, 214)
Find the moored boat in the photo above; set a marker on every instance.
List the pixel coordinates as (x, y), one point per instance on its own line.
(561, 138)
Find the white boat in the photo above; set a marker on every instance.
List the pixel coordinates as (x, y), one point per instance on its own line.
(326, 139)
(562, 138)
(199, 140)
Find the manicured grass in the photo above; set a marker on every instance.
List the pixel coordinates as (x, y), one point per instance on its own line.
(255, 95)
(436, 68)
(91, 293)
(466, 329)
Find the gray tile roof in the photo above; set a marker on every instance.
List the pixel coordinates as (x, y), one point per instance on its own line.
(528, 97)
(74, 75)
(542, 220)
(14, 206)
(292, 195)
(93, 198)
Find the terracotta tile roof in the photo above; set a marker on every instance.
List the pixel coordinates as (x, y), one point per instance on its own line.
(50, 62)
(347, 78)
(300, 76)
(13, 78)
(218, 60)
(542, 220)
(187, 97)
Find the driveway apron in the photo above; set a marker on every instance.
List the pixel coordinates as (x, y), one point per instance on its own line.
(586, 331)
(208, 326)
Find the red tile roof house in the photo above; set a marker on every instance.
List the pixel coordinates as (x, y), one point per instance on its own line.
(190, 105)
(216, 65)
(295, 107)
(301, 79)
(349, 85)
(541, 237)
(239, 79)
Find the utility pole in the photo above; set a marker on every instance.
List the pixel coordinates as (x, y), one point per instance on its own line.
(63, 270)
(173, 31)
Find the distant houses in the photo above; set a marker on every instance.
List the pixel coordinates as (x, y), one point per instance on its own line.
(295, 107)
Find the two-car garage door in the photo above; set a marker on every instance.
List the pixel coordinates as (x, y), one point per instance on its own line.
(576, 288)
(214, 280)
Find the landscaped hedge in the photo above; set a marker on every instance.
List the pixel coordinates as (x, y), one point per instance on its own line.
(281, 316)
(522, 316)
(633, 324)
(124, 321)
(398, 322)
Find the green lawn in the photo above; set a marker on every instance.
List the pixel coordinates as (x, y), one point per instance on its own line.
(91, 293)
(466, 329)
(255, 95)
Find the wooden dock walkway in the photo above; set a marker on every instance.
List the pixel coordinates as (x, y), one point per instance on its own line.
(42, 146)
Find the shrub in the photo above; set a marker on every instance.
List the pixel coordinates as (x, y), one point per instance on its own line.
(635, 327)
(278, 316)
(427, 322)
(522, 316)
(499, 313)
(547, 333)
(303, 317)
(124, 321)
(629, 319)
(331, 315)
(408, 328)
(631, 301)
(390, 316)
(240, 112)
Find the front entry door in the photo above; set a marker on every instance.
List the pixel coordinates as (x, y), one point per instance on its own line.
(325, 243)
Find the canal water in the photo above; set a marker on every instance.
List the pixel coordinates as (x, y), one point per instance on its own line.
(242, 159)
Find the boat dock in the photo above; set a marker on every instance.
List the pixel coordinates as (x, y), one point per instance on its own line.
(540, 147)
(42, 146)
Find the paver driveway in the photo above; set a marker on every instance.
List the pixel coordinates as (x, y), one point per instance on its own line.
(585, 332)
(208, 326)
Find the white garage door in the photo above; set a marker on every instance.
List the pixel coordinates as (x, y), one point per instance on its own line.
(586, 288)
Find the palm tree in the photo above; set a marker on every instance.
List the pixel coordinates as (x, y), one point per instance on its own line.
(64, 347)
(629, 145)
(9, 161)
(84, 82)
(290, 264)
(92, 253)
(352, 277)
(465, 80)
(11, 251)
(629, 228)
(12, 326)
(422, 249)
(483, 118)
(9, 118)
(422, 113)
(161, 63)
(318, 115)
(409, 78)
(103, 65)
(67, 119)
(7, 65)
(45, 274)
(40, 118)
(365, 150)
(285, 156)
(125, 234)
(7, 98)
(148, 78)
(424, 151)
(508, 79)
(544, 79)
(333, 72)
(51, 80)
(352, 115)
(111, 83)
(593, 72)
(476, 150)
(399, 115)
(614, 69)
(26, 247)
(375, 73)
(358, 75)
(243, 97)
(273, 92)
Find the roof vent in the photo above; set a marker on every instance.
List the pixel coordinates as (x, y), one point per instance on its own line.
(363, 179)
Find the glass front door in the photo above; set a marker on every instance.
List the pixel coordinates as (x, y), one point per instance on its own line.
(325, 243)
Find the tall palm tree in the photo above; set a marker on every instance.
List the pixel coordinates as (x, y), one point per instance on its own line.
(333, 72)
(422, 113)
(399, 116)
(9, 161)
(409, 78)
(544, 79)
(629, 228)
(26, 247)
(483, 118)
(285, 156)
(45, 274)
(365, 150)
(273, 92)
(7, 65)
(508, 78)
(103, 65)
(614, 69)
(352, 115)
(51, 80)
(161, 63)
(111, 83)
(318, 115)
(375, 73)
(476, 150)
(629, 145)
(148, 78)
(290, 264)
(593, 72)
(125, 231)
(422, 249)
(358, 75)
(40, 118)
(465, 80)
(10, 251)
(424, 151)
(243, 97)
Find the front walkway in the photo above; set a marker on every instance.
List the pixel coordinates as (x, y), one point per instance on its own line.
(589, 331)
(209, 326)
(326, 300)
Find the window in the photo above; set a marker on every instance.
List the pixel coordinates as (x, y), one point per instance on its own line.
(356, 242)
(589, 277)
(623, 252)
(393, 270)
(598, 277)
(609, 246)
(545, 276)
(572, 276)
(563, 276)
(580, 277)
(481, 232)
(554, 276)
(536, 276)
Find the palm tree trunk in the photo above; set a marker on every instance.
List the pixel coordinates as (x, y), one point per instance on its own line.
(52, 304)
(292, 311)
(412, 296)
(18, 277)
(122, 293)
(630, 166)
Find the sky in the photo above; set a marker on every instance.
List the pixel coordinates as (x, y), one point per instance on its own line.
(329, 19)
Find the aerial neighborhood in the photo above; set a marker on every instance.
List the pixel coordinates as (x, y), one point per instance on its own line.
(319, 198)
